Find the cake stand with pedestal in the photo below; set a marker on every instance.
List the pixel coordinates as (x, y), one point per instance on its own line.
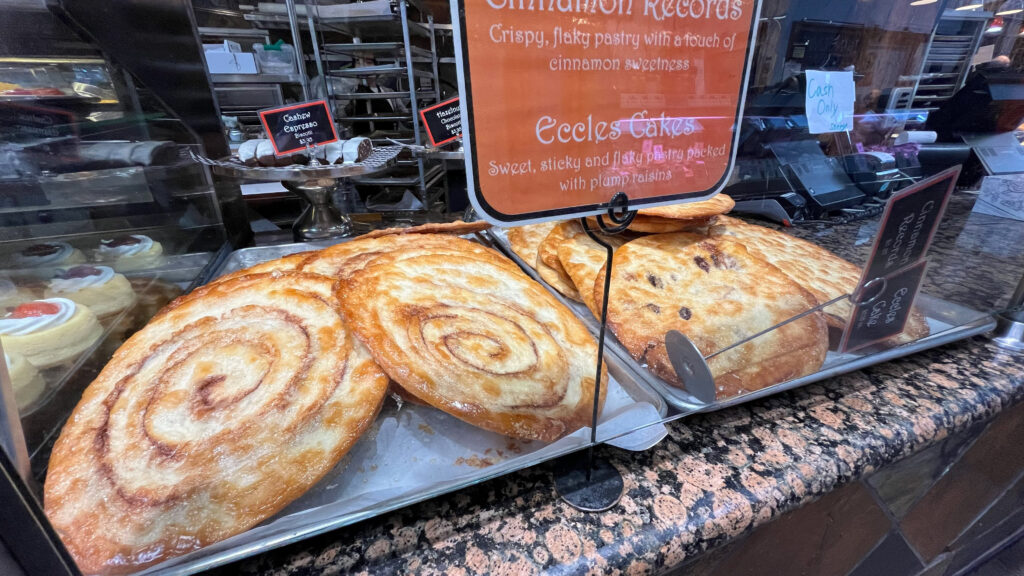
(313, 183)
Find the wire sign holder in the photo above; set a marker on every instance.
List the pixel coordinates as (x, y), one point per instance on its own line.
(557, 138)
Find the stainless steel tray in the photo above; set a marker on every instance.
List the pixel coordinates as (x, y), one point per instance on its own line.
(381, 159)
(329, 505)
(948, 322)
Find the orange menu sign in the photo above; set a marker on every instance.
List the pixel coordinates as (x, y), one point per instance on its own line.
(571, 101)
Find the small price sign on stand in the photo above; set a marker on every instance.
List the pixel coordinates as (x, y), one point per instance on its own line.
(443, 121)
(884, 298)
(299, 126)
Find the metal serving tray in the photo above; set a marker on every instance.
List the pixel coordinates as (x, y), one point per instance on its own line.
(389, 456)
(948, 322)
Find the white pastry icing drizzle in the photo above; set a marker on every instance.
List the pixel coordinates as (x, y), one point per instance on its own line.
(63, 251)
(21, 326)
(65, 285)
(145, 244)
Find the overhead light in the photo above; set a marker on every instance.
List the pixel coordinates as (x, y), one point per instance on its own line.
(1008, 12)
(970, 7)
(922, 2)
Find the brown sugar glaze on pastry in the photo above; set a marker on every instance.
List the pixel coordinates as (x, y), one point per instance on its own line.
(465, 330)
(717, 294)
(217, 414)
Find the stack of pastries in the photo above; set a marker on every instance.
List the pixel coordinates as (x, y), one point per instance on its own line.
(237, 398)
(716, 279)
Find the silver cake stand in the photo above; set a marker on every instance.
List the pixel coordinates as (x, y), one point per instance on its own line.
(320, 219)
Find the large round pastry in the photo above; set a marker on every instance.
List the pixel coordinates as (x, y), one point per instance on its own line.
(227, 406)
(463, 329)
(716, 293)
(347, 259)
(821, 272)
(49, 332)
(48, 254)
(131, 252)
(283, 264)
(27, 381)
(104, 291)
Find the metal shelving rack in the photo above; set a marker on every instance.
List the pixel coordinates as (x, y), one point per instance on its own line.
(377, 46)
(948, 57)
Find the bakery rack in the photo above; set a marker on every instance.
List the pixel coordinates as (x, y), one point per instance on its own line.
(398, 43)
(947, 57)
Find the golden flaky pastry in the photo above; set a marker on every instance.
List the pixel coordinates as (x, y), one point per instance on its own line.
(283, 264)
(716, 293)
(344, 260)
(475, 337)
(457, 227)
(583, 259)
(549, 267)
(209, 420)
(821, 272)
(714, 206)
(525, 240)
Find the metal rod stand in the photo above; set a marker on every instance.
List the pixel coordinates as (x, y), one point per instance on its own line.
(593, 484)
(1009, 331)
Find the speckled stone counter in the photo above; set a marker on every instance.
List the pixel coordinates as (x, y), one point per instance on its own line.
(712, 479)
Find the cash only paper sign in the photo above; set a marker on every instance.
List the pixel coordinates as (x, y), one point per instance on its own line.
(567, 102)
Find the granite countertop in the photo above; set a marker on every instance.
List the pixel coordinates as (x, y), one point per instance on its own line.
(714, 477)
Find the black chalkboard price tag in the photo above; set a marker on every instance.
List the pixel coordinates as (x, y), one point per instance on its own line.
(888, 286)
(883, 307)
(443, 121)
(909, 223)
(293, 128)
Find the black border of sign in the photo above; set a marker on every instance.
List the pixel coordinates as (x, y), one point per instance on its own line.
(427, 126)
(292, 107)
(469, 128)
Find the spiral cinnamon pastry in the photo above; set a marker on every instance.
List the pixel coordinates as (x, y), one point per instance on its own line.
(344, 260)
(222, 410)
(283, 264)
(463, 329)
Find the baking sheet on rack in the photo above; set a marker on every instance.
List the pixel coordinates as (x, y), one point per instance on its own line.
(947, 321)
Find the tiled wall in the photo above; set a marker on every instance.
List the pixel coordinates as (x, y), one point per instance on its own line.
(937, 513)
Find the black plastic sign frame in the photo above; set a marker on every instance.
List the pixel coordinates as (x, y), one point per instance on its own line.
(885, 308)
(443, 122)
(296, 127)
(896, 267)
